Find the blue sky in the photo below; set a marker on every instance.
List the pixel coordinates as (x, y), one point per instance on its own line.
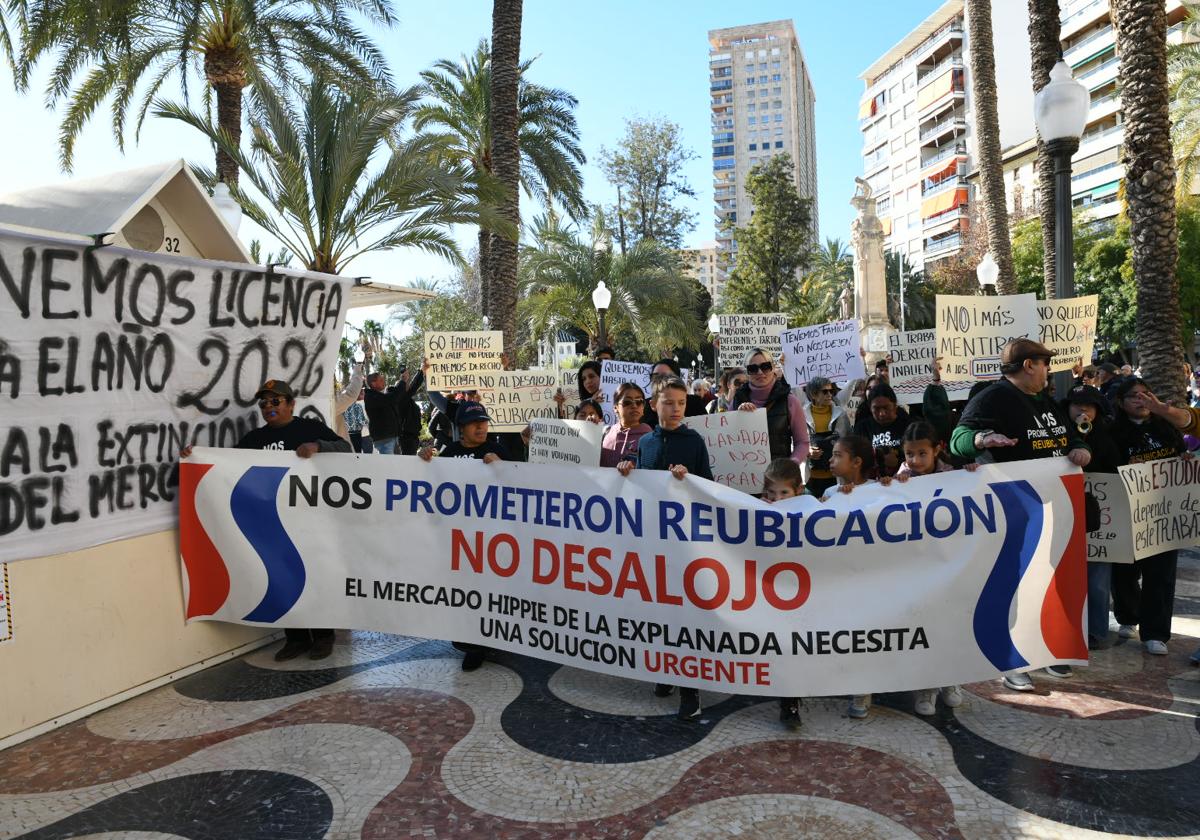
(620, 58)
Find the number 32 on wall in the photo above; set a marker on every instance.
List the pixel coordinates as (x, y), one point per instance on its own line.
(171, 244)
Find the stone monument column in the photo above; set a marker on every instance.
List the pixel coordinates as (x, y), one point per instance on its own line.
(870, 285)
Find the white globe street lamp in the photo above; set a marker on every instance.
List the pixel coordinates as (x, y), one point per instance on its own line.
(601, 298)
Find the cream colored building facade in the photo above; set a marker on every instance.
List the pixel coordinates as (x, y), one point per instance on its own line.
(762, 104)
(701, 263)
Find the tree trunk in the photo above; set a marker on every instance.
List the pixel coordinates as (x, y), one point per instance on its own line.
(506, 163)
(1141, 27)
(485, 269)
(1044, 48)
(223, 71)
(987, 139)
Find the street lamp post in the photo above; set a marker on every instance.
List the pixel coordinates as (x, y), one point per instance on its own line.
(988, 272)
(1060, 110)
(601, 298)
(714, 327)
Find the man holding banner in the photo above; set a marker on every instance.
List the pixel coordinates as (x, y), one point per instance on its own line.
(1014, 419)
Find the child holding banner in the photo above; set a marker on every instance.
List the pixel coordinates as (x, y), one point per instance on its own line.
(785, 480)
(621, 438)
(673, 446)
(925, 454)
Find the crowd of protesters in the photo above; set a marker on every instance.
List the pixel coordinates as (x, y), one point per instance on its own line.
(822, 439)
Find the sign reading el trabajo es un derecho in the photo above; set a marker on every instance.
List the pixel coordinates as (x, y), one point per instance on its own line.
(112, 360)
(649, 577)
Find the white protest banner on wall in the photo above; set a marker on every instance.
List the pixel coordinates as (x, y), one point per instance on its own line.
(513, 398)
(742, 333)
(565, 442)
(1068, 327)
(1112, 542)
(830, 350)
(457, 358)
(6, 623)
(613, 375)
(1164, 504)
(910, 355)
(112, 360)
(941, 580)
(738, 447)
(973, 329)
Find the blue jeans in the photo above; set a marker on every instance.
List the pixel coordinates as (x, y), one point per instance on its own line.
(1099, 585)
(387, 446)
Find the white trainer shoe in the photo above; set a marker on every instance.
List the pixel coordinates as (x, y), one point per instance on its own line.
(952, 696)
(1156, 648)
(926, 701)
(1126, 631)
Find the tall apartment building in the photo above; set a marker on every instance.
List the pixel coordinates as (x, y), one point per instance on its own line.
(701, 263)
(919, 152)
(763, 104)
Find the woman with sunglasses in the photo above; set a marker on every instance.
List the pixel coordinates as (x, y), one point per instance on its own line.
(731, 379)
(827, 421)
(787, 424)
(621, 439)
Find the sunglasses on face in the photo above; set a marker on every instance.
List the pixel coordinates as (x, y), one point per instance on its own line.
(829, 391)
(631, 402)
(273, 401)
(765, 367)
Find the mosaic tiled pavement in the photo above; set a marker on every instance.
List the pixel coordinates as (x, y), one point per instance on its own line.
(389, 738)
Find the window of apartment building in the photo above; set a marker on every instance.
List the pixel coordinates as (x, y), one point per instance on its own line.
(762, 80)
(897, 172)
(911, 164)
(762, 93)
(913, 194)
(750, 55)
(762, 53)
(775, 78)
(774, 50)
(762, 66)
(779, 118)
(777, 91)
(778, 144)
(910, 82)
(749, 80)
(910, 136)
(897, 145)
(914, 219)
(751, 107)
(893, 93)
(778, 131)
(778, 103)
(775, 65)
(914, 246)
(908, 110)
(749, 94)
(895, 120)
(754, 147)
(751, 120)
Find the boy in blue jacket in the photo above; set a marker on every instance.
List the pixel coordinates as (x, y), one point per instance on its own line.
(673, 446)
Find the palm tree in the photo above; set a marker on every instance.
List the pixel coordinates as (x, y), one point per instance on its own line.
(458, 103)
(652, 299)
(987, 130)
(12, 20)
(122, 49)
(919, 294)
(832, 271)
(1044, 49)
(506, 162)
(1184, 67)
(1141, 27)
(340, 180)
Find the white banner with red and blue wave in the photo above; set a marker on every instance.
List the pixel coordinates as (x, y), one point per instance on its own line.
(946, 579)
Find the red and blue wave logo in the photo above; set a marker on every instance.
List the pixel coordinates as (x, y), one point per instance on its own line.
(1063, 602)
(252, 504)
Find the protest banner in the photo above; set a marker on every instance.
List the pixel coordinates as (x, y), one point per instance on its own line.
(457, 358)
(568, 383)
(1113, 541)
(565, 442)
(6, 625)
(1164, 504)
(112, 360)
(613, 375)
(513, 398)
(742, 333)
(830, 350)
(738, 447)
(1068, 327)
(973, 329)
(941, 580)
(910, 356)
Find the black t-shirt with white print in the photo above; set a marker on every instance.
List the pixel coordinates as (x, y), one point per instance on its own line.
(287, 438)
(457, 450)
(1040, 427)
(1150, 440)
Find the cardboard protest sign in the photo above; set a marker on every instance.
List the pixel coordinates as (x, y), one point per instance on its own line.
(613, 375)
(6, 625)
(1068, 327)
(742, 333)
(565, 442)
(113, 360)
(457, 358)
(514, 398)
(1113, 541)
(568, 383)
(910, 357)
(1164, 504)
(829, 350)
(973, 329)
(738, 447)
(649, 577)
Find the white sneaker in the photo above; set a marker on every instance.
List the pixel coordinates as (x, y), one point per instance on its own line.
(859, 706)
(1156, 648)
(926, 701)
(952, 696)
(1126, 631)
(1018, 682)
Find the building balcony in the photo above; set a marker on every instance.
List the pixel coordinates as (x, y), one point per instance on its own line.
(951, 33)
(943, 130)
(953, 182)
(949, 95)
(944, 247)
(723, 84)
(1104, 105)
(953, 215)
(1082, 18)
(1100, 74)
(925, 76)
(957, 150)
(1098, 40)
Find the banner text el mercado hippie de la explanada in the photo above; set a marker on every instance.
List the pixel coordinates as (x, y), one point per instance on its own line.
(113, 360)
(938, 581)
